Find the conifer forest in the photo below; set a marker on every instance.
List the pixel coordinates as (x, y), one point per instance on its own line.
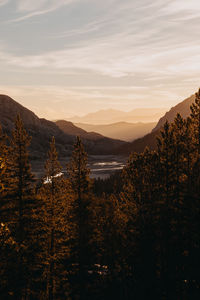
(133, 236)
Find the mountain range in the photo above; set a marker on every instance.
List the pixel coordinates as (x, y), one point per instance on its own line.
(42, 131)
(121, 130)
(109, 116)
(65, 132)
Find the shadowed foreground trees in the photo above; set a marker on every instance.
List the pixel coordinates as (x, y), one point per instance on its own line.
(80, 220)
(53, 197)
(138, 239)
(18, 201)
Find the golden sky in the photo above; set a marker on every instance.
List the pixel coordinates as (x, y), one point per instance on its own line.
(66, 57)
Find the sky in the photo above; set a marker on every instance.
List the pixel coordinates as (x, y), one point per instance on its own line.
(61, 58)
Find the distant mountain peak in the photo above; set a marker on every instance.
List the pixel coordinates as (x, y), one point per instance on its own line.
(110, 116)
(120, 130)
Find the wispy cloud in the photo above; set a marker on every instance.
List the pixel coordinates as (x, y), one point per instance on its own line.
(116, 57)
(28, 5)
(3, 2)
(135, 38)
(179, 6)
(38, 7)
(141, 43)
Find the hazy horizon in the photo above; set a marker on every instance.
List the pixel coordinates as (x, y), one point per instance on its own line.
(110, 109)
(61, 58)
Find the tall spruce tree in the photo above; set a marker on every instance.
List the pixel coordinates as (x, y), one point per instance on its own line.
(5, 178)
(21, 219)
(141, 187)
(22, 176)
(193, 199)
(2, 162)
(53, 226)
(166, 180)
(8, 252)
(80, 183)
(195, 117)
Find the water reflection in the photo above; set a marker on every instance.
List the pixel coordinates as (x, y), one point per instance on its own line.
(104, 169)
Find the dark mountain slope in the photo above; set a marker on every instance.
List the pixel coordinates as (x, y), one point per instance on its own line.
(42, 131)
(69, 128)
(139, 145)
(183, 108)
(149, 140)
(102, 143)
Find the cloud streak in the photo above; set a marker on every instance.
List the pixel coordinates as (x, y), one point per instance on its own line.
(38, 8)
(140, 43)
(116, 57)
(3, 2)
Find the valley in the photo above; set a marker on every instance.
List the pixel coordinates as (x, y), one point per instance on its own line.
(99, 150)
(101, 166)
(108, 145)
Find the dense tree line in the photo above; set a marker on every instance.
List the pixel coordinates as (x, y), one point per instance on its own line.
(132, 236)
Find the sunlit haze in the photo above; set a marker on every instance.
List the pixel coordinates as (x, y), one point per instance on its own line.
(62, 58)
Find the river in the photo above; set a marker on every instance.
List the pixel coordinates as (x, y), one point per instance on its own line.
(101, 166)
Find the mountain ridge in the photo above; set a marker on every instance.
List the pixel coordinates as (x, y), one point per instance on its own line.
(120, 130)
(71, 129)
(42, 131)
(149, 140)
(182, 107)
(109, 116)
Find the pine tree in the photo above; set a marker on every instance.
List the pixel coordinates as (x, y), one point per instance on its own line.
(195, 121)
(21, 203)
(167, 178)
(8, 254)
(5, 178)
(182, 152)
(141, 188)
(8, 246)
(195, 117)
(114, 225)
(53, 225)
(80, 183)
(2, 162)
(22, 176)
(193, 207)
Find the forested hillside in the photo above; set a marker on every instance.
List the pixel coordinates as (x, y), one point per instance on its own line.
(182, 108)
(132, 236)
(150, 139)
